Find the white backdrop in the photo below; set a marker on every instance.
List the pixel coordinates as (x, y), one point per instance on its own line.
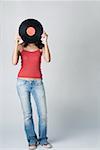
(71, 79)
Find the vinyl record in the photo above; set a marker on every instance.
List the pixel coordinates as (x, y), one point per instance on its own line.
(30, 30)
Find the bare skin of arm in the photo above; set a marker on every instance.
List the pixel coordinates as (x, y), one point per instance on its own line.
(16, 51)
(46, 51)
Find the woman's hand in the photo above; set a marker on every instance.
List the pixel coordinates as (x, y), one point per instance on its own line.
(18, 40)
(44, 37)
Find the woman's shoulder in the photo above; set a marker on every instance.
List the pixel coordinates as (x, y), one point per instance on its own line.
(41, 50)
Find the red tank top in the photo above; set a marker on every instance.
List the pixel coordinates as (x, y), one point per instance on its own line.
(30, 64)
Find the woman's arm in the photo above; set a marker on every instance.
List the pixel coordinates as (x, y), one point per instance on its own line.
(45, 49)
(16, 52)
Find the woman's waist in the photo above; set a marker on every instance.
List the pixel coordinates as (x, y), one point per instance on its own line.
(25, 70)
(27, 78)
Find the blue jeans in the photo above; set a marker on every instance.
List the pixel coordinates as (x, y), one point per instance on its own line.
(24, 89)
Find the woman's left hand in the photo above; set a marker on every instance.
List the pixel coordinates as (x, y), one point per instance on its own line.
(44, 37)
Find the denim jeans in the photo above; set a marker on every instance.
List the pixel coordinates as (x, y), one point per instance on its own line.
(24, 89)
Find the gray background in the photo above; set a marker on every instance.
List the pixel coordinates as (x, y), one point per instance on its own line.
(71, 79)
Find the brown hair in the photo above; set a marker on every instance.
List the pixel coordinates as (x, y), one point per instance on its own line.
(38, 43)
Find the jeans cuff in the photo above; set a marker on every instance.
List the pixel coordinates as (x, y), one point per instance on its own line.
(43, 141)
(32, 141)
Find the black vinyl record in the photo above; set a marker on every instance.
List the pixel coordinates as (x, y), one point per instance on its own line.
(30, 30)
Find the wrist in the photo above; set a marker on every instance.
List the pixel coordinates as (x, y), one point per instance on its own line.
(45, 43)
(16, 45)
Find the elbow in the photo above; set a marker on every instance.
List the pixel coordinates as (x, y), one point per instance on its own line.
(48, 60)
(14, 63)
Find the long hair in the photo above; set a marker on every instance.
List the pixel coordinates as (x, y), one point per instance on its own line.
(38, 43)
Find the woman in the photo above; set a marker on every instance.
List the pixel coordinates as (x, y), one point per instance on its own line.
(29, 81)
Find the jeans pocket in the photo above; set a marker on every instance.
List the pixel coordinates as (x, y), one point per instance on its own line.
(38, 82)
(20, 82)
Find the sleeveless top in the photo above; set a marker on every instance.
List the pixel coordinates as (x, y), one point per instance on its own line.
(30, 64)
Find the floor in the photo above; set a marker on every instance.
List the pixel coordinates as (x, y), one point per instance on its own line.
(75, 140)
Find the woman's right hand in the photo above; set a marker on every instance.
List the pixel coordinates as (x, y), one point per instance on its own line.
(18, 39)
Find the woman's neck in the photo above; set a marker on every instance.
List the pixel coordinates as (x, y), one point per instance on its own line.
(31, 46)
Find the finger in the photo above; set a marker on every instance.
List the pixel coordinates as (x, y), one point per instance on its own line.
(46, 33)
